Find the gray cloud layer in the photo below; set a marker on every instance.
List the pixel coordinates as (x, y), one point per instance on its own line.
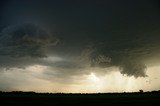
(25, 40)
(91, 34)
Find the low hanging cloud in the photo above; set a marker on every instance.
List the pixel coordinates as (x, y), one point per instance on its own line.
(116, 34)
(28, 44)
(134, 68)
(130, 54)
(129, 62)
(24, 45)
(25, 40)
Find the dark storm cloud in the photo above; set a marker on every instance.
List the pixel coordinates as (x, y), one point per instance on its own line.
(133, 68)
(127, 52)
(25, 40)
(23, 45)
(92, 34)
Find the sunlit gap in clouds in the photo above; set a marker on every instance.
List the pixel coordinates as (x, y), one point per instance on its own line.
(33, 78)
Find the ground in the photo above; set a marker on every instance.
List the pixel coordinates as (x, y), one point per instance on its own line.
(60, 99)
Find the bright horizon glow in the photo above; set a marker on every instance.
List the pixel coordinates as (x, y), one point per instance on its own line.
(79, 46)
(34, 79)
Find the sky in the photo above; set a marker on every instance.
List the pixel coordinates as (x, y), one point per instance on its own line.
(79, 46)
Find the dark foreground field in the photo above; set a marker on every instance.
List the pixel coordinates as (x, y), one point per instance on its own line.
(46, 99)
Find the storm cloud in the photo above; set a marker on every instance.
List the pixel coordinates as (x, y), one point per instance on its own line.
(82, 36)
(25, 40)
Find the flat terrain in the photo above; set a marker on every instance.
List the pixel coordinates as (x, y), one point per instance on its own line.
(49, 99)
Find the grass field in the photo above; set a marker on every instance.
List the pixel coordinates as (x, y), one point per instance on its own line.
(101, 99)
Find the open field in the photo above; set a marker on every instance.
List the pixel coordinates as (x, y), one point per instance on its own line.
(49, 99)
